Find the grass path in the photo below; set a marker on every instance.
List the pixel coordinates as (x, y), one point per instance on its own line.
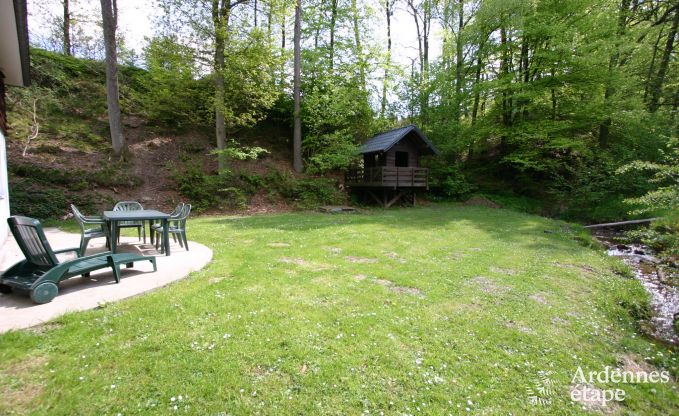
(420, 311)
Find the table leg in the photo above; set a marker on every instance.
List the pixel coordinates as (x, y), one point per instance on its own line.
(114, 236)
(166, 236)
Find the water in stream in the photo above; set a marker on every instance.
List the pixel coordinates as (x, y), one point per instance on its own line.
(659, 279)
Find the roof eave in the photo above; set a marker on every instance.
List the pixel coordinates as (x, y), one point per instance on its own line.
(21, 18)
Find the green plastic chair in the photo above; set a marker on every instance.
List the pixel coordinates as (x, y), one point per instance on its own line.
(40, 273)
(139, 225)
(176, 212)
(176, 228)
(86, 234)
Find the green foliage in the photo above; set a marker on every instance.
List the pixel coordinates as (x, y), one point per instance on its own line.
(449, 181)
(171, 92)
(336, 117)
(233, 190)
(241, 153)
(46, 192)
(333, 151)
(662, 236)
(206, 191)
(590, 190)
(109, 176)
(35, 199)
(305, 193)
(63, 84)
(248, 78)
(665, 177)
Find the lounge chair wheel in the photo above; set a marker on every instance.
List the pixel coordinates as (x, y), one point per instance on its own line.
(44, 292)
(5, 289)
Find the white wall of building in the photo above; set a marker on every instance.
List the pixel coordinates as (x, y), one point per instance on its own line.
(4, 191)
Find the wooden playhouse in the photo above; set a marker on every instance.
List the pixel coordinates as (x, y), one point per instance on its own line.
(390, 170)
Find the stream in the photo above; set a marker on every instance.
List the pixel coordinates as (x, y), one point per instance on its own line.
(659, 279)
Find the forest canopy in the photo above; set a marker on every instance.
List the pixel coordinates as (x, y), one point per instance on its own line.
(572, 104)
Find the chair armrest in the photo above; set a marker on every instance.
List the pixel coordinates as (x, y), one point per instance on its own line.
(93, 220)
(66, 250)
(94, 256)
(67, 264)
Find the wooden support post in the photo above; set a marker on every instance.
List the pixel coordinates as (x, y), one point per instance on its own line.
(374, 197)
(398, 196)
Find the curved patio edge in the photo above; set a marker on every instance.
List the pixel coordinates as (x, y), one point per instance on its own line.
(83, 293)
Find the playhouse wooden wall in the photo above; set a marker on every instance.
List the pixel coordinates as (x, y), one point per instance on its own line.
(407, 144)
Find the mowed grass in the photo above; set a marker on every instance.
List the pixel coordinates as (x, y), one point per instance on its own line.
(436, 310)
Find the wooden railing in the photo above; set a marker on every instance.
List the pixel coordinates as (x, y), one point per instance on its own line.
(388, 177)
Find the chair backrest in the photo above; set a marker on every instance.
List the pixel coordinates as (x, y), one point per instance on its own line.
(176, 212)
(79, 217)
(128, 206)
(186, 210)
(29, 235)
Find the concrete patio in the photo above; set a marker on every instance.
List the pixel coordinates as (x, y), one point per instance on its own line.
(82, 293)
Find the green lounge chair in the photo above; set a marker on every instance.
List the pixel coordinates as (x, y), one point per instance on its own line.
(40, 273)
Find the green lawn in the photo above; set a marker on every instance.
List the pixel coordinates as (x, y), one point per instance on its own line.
(430, 310)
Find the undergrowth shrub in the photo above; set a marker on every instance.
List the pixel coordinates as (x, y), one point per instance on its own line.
(34, 199)
(662, 236)
(108, 176)
(448, 182)
(305, 193)
(205, 191)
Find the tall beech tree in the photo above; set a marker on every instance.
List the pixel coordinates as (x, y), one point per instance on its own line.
(109, 15)
(297, 129)
(67, 28)
(239, 56)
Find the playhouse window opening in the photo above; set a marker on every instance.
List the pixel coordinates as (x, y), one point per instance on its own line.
(401, 159)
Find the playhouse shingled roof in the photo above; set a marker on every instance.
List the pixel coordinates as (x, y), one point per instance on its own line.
(385, 141)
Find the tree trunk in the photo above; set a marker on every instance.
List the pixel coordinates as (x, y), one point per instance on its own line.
(282, 69)
(221, 10)
(423, 50)
(504, 73)
(459, 62)
(283, 35)
(553, 91)
(297, 131)
(507, 103)
(269, 22)
(477, 83)
(385, 82)
(333, 23)
(359, 48)
(525, 76)
(67, 29)
(651, 66)
(109, 14)
(255, 5)
(605, 126)
(426, 27)
(659, 80)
